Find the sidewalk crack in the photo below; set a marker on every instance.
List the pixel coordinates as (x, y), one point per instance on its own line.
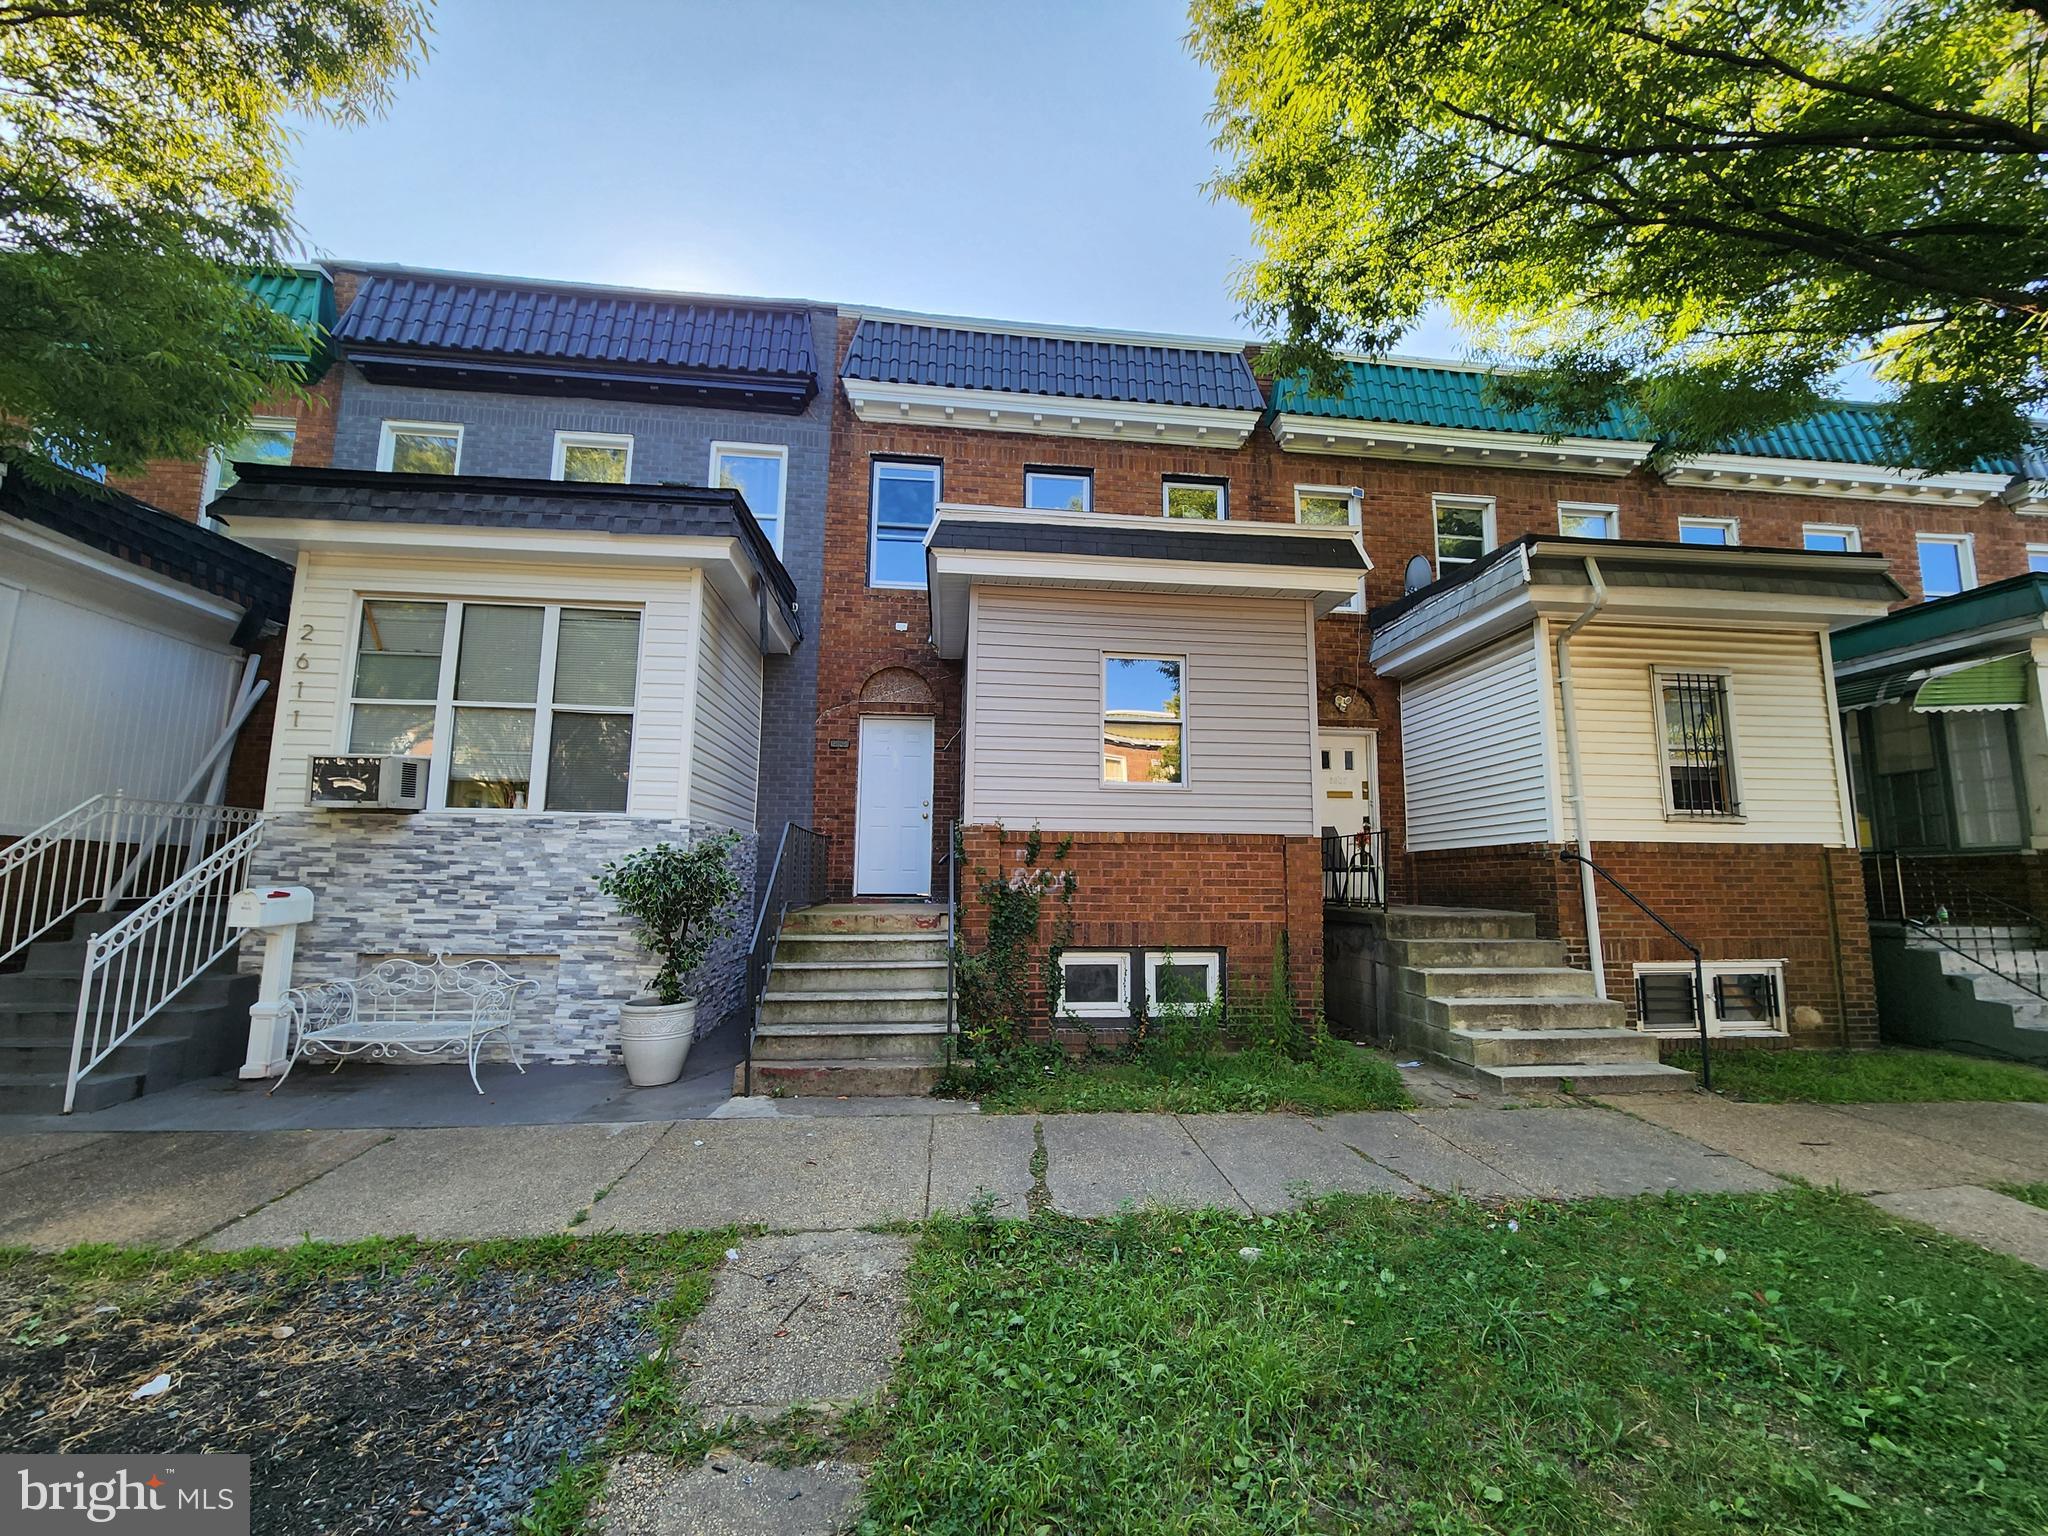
(1182, 1123)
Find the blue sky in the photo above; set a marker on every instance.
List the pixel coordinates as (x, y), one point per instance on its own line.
(1041, 160)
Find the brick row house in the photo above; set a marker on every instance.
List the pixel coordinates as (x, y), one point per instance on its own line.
(1248, 662)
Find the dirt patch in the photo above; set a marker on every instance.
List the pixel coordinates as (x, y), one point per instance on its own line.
(418, 1397)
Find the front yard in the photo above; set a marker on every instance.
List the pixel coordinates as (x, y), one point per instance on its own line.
(1334, 1076)
(1889, 1075)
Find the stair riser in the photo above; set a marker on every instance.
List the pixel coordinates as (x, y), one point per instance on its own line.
(849, 978)
(36, 993)
(912, 922)
(1505, 983)
(100, 1091)
(1460, 925)
(1419, 953)
(850, 1047)
(867, 1010)
(1565, 1055)
(1590, 1082)
(160, 1058)
(68, 959)
(176, 1017)
(861, 1081)
(846, 950)
(1549, 1013)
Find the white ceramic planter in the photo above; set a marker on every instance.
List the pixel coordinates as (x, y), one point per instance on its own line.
(655, 1038)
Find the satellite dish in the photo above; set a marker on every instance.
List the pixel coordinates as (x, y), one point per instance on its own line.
(1418, 574)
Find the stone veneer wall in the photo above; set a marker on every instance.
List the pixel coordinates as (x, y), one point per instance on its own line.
(516, 889)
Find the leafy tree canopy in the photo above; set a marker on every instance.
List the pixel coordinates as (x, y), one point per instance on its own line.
(1699, 210)
(143, 150)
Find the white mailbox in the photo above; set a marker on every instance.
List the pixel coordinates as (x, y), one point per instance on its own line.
(273, 906)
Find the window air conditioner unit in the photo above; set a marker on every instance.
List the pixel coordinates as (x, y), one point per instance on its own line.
(369, 783)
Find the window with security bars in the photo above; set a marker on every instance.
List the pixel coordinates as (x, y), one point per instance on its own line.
(1699, 766)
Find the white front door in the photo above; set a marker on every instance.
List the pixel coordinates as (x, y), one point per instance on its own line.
(892, 836)
(1347, 781)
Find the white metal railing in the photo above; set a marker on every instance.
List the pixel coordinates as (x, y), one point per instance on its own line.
(96, 853)
(137, 966)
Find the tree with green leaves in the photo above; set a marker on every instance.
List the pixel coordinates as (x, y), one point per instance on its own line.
(142, 178)
(1699, 211)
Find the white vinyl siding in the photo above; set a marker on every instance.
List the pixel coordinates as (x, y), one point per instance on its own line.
(725, 766)
(1473, 757)
(1034, 723)
(1784, 733)
(312, 708)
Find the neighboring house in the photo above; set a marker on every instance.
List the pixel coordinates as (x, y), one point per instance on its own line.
(579, 665)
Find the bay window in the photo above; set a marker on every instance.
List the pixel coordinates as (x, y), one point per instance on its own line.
(519, 706)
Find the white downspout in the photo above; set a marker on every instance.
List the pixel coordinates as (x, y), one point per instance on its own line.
(1588, 898)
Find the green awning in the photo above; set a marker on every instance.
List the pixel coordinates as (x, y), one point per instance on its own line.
(2000, 683)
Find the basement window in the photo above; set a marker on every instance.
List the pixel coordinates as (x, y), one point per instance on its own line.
(1179, 981)
(1095, 984)
(1743, 996)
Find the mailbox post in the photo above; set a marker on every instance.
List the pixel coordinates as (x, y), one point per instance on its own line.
(277, 912)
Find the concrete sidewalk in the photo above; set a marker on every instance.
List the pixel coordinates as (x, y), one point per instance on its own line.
(799, 1173)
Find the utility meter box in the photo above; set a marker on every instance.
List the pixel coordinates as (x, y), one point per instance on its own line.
(270, 906)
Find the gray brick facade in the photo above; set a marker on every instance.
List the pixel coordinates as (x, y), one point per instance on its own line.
(506, 434)
(513, 888)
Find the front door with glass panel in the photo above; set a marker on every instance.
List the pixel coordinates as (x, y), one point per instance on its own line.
(1347, 765)
(892, 839)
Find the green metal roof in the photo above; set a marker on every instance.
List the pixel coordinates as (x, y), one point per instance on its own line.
(305, 295)
(2000, 683)
(1948, 618)
(1423, 395)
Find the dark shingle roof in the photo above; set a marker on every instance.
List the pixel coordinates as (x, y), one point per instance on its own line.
(154, 540)
(907, 352)
(578, 326)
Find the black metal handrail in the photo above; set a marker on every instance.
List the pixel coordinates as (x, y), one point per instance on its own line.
(952, 937)
(1958, 917)
(796, 879)
(1699, 968)
(1355, 868)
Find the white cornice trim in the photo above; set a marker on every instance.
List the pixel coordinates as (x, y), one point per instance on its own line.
(989, 410)
(2029, 498)
(1466, 445)
(1817, 477)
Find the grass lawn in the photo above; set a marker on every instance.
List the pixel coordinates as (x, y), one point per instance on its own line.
(2033, 1194)
(1336, 1077)
(1776, 1363)
(1889, 1075)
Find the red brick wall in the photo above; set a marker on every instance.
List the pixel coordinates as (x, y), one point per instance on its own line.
(1800, 903)
(1188, 890)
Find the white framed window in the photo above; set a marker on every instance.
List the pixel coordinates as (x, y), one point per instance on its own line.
(1059, 490)
(1743, 996)
(1464, 530)
(1205, 501)
(518, 706)
(1696, 744)
(599, 458)
(1181, 982)
(1143, 720)
(1832, 538)
(1332, 506)
(1708, 530)
(420, 448)
(2037, 559)
(1948, 564)
(1095, 984)
(903, 495)
(760, 473)
(1589, 520)
(266, 440)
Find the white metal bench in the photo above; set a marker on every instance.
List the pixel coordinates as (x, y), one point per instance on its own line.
(403, 1005)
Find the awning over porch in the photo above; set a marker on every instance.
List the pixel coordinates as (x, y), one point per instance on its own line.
(1997, 683)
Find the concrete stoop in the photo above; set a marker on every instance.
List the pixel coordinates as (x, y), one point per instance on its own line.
(1477, 991)
(855, 1006)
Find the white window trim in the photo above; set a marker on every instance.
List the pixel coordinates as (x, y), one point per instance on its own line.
(757, 451)
(1121, 1008)
(2032, 551)
(1850, 533)
(1728, 525)
(1102, 722)
(1486, 540)
(875, 468)
(389, 430)
(1086, 477)
(1671, 812)
(1194, 483)
(1965, 545)
(1354, 499)
(444, 703)
(1208, 959)
(564, 441)
(1607, 509)
(216, 457)
(1713, 968)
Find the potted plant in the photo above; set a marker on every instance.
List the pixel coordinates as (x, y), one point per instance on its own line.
(681, 900)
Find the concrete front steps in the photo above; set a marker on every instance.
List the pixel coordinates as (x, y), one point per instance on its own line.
(1478, 991)
(202, 1031)
(855, 1005)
